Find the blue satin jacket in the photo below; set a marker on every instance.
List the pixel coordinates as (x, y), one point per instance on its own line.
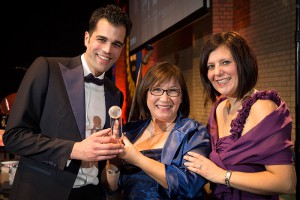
(187, 135)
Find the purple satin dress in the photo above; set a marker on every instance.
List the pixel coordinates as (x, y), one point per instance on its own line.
(268, 143)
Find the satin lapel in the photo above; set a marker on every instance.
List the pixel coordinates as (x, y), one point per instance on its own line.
(111, 99)
(74, 83)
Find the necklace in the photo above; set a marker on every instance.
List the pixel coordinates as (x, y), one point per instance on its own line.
(153, 134)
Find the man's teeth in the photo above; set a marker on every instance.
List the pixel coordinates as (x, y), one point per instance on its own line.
(102, 57)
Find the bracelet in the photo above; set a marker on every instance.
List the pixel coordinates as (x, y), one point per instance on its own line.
(113, 172)
(227, 178)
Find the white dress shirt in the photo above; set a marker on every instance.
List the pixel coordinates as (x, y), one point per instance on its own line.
(95, 116)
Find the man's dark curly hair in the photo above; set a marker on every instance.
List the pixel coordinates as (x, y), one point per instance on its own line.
(114, 14)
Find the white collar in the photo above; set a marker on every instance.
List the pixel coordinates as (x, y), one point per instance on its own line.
(86, 69)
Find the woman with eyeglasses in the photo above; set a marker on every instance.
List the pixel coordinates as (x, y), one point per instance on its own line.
(152, 163)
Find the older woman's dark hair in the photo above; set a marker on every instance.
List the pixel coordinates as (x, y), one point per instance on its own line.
(242, 54)
(114, 14)
(158, 74)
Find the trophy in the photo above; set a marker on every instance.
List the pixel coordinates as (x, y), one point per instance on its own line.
(115, 113)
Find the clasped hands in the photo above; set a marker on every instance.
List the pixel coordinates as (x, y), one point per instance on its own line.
(104, 145)
(101, 145)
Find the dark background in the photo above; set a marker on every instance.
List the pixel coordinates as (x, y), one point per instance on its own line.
(41, 28)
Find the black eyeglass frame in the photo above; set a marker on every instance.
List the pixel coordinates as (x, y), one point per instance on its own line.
(162, 91)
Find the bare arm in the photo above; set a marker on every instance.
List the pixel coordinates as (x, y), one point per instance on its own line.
(153, 168)
(110, 175)
(111, 172)
(277, 179)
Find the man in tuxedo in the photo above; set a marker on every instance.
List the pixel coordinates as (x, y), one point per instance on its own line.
(59, 123)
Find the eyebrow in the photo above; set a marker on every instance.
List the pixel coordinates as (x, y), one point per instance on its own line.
(171, 87)
(220, 60)
(103, 37)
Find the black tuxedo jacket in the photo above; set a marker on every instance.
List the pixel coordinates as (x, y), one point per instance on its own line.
(47, 118)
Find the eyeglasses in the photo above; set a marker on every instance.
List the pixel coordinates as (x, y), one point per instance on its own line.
(170, 92)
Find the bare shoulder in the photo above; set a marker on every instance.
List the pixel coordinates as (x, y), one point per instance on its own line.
(221, 106)
(262, 108)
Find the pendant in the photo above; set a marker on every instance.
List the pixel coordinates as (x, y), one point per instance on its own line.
(152, 136)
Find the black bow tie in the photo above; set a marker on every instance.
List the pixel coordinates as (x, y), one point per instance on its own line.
(91, 79)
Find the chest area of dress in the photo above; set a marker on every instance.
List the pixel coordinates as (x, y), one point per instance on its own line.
(148, 140)
(224, 122)
(224, 119)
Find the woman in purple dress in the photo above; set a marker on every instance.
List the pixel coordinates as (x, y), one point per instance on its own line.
(250, 130)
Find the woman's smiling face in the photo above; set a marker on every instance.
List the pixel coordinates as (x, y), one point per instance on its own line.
(164, 108)
(222, 71)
